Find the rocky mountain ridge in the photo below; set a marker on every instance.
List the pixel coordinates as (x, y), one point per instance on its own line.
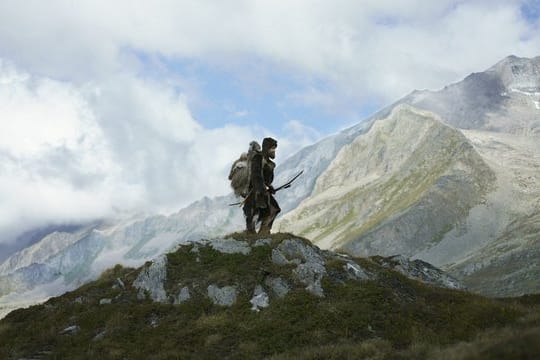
(78, 258)
(393, 182)
(450, 202)
(307, 263)
(505, 99)
(477, 215)
(278, 296)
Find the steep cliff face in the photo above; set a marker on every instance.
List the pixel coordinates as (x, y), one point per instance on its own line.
(509, 265)
(469, 212)
(388, 191)
(499, 242)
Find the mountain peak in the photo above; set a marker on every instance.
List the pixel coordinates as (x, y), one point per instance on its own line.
(519, 73)
(505, 98)
(514, 59)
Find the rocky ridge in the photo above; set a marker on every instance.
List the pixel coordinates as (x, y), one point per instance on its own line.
(502, 102)
(299, 263)
(475, 220)
(505, 99)
(67, 260)
(388, 191)
(244, 297)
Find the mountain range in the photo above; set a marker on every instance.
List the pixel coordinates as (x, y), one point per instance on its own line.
(450, 177)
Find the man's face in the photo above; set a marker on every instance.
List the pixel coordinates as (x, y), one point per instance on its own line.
(272, 152)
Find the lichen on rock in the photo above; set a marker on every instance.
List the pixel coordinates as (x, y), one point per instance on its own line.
(223, 296)
(151, 280)
(260, 299)
(230, 246)
(279, 287)
(183, 296)
(310, 263)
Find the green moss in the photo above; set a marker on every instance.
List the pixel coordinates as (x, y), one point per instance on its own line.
(392, 312)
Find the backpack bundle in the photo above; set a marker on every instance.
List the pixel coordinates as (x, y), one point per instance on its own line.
(240, 173)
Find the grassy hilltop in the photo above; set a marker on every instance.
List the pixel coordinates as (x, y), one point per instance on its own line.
(313, 304)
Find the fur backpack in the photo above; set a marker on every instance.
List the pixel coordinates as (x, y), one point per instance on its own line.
(240, 170)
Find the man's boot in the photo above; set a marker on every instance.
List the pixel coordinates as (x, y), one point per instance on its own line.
(250, 228)
(250, 225)
(265, 227)
(264, 230)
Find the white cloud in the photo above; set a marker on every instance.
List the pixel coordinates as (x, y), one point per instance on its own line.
(313, 96)
(72, 154)
(75, 154)
(297, 136)
(367, 48)
(85, 133)
(37, 115)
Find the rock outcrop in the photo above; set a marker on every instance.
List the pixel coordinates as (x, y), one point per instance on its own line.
(150, 280)
(227, 270)
(419, 270)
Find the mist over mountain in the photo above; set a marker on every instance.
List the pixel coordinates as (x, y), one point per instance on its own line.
(30, 237)
(504, 98)
(450, 177)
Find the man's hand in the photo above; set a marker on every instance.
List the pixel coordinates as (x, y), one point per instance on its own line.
(271, 189)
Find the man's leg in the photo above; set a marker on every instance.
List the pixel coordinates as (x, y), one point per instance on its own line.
(249, 213)
(273, 210)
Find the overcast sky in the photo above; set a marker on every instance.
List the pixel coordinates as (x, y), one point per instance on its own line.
(110, 107)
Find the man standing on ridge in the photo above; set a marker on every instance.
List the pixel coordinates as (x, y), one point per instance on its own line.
(260, 201)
